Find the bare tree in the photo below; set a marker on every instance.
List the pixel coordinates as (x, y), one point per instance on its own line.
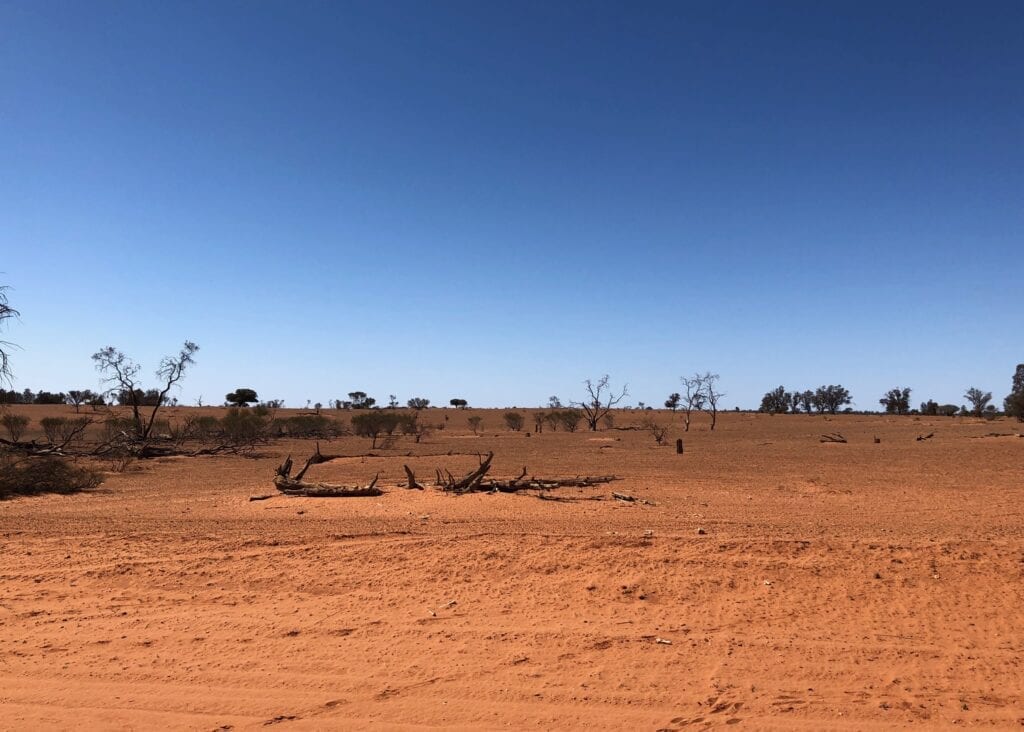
(6, 311)
(601, 399)
(693, 397)
(122, 375)
(711, 397)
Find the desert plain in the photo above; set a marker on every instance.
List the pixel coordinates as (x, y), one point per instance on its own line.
(763, 580)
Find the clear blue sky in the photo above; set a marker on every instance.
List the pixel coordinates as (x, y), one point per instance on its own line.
(497, 200)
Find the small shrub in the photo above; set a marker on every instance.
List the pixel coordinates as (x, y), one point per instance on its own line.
(658, 431)
(375, 423)
(53, 428)
(475, 423)
(308, 426)
(514, 421)
(570, 419)
(201, 427)
(241, 426)
(44, 475)
(15, 424)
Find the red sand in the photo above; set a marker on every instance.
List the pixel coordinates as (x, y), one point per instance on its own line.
(852, 586)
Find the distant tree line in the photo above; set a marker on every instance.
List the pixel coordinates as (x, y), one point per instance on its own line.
(895, 401)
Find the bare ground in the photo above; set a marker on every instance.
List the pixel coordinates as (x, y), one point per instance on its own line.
(852, 586)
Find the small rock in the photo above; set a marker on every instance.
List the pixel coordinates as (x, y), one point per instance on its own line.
(701, 532)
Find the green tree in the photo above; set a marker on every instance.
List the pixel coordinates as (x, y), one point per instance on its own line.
(830, 398)
(673, 401)
(896, 401)
(418, 403)
(458, 403)
(979, 400)
(775, 401)
(359, 400)
(242, 397)
(1013, 405)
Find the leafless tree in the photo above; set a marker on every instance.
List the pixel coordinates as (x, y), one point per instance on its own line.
(711, 397)
(122, 374)
(6, 311)
(601, 399)
(693, 397)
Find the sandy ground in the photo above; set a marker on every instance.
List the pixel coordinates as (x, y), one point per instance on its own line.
(856, 586)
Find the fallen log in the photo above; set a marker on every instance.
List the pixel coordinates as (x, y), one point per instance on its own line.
(297, 487)
(833, 437)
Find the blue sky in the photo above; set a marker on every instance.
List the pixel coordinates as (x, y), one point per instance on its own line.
(497, 200)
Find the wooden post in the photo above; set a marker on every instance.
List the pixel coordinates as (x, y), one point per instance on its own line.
(679, 446)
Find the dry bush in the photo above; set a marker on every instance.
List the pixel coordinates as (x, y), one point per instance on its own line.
(15, 424)
(62, 430)
(35, 476)
(514, 421)
(658, 431)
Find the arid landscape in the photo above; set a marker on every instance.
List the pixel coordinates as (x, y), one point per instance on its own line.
(762, 579)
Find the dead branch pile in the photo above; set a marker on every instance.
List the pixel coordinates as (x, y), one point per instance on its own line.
(475, 481)
(297, 487)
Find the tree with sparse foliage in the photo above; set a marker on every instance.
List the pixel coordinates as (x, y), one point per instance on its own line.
(1013, 405)
(418, 403)
(6, 312)
(78, 397)
(374, 423)
(979, 400)
(600, 400)
(475, 423)
(241, 397)
(711, 396)
(673, 401)
(122, 374)
(692, 397)
(896, 401)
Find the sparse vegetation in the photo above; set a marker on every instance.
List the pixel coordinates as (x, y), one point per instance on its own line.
(475, 424)
(514, 420)
(122, 373)
(600, 400)
(37, 475)
(15, 424)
